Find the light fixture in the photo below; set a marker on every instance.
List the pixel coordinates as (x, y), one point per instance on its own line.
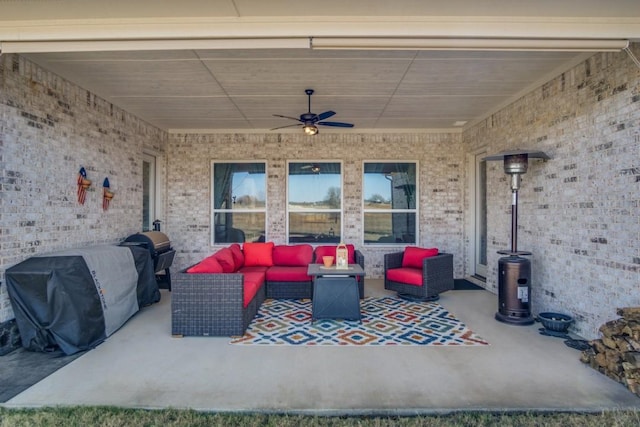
(310, 129)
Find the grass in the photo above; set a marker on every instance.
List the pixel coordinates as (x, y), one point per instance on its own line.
(115, 417)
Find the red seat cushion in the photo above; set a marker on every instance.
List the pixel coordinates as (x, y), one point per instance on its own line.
(238, 256)
(258, 254)
(410, 276)
(292, 255)
(331, 251)
(252, 283)
(208, 265)
(253, 269)
(279, 273)
(225, 258)
(413, 256)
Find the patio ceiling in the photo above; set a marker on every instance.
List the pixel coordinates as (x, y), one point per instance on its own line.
(237, 63)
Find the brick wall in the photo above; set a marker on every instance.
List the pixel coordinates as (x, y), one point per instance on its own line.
(49, 128)
(441, 169)
(579, 212)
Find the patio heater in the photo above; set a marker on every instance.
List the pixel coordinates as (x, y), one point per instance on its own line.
(514, 271)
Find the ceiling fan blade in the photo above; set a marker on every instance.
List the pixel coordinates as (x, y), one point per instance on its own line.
(287, 126)
(287, 117)
(326, 115)
(336, 124)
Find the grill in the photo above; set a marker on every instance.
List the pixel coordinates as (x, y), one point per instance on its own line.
(160, 250)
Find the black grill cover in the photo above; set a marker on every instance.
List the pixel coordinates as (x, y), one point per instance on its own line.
(57, 305)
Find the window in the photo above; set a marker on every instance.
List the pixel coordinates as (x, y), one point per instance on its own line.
(314, 202)
(389, 205)
(148, 191)
(239, 202)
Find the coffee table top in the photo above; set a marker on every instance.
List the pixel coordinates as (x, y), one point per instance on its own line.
(321, 270)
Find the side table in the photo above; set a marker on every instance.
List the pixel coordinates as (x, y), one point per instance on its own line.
(335, 292)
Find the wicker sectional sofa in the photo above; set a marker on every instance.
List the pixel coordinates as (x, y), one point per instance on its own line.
(222, 294)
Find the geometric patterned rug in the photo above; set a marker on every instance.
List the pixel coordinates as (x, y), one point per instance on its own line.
(385, 321)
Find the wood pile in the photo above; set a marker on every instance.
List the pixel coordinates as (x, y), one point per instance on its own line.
(617, 353)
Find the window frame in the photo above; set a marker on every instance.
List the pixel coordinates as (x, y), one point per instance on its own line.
(339, 211)
(152, 191)
(213, 209)
(415, 211)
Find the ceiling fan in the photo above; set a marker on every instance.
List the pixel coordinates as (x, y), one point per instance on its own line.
(315, 168)
(309, 120)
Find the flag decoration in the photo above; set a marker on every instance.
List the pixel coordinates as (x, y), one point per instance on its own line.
(83, 184)
(107, 194)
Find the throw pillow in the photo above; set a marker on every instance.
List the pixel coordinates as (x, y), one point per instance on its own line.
(258, 254)
(225, 258)
(413, 256)
(208, 265)
(238, 256)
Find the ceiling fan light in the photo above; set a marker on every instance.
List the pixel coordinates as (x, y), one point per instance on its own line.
(310, 129)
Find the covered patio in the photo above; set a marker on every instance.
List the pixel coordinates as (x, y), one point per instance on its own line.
(143, 366)
(150, 99)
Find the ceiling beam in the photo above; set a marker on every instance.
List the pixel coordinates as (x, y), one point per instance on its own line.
(318, 27)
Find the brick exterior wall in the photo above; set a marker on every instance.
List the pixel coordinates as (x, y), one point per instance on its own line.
(49, 128)
(440, 159)
(578, 212)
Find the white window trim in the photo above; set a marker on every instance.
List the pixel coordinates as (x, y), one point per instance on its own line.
(416, 210)
(158, 196)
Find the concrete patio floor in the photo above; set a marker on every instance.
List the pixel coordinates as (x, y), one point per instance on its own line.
(143, 366)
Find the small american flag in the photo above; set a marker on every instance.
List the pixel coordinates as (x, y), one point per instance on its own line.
(82, 190)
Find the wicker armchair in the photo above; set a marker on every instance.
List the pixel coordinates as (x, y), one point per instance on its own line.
(437, 277)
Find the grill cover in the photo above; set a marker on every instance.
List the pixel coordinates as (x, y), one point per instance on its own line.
(75, 299)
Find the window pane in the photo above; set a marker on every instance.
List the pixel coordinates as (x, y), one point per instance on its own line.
(239, 185)
(239, 202)
(314, 227)
(314, 186)
(239, 227)
(389, 227)
(389, 186)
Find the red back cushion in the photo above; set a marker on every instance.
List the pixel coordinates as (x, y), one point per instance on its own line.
(225, 258)
(208, 265)
(331, 250)
(293, 255)
(413, 256)
(258, 254)
(238, 256)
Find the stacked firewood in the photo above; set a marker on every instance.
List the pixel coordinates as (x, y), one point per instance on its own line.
(617, 353)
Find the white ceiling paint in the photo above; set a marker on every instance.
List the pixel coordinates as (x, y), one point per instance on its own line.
(155, 58)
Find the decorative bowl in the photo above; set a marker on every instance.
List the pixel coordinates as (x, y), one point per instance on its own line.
(327, 260)
(555, 321)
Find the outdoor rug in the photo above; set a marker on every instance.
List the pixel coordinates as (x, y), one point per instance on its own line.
(385, 321)
(21, 369)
